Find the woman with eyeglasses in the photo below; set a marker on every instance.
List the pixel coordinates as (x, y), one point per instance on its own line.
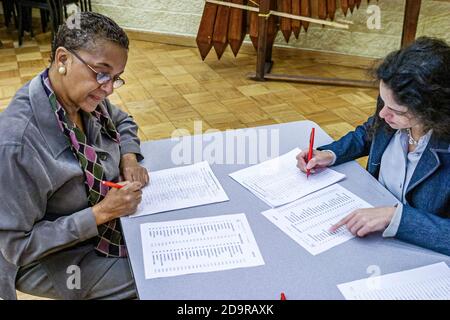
(60, 140)
(408, 144)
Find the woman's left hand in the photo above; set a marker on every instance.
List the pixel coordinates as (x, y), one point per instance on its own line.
(361, 222)
(131, 170)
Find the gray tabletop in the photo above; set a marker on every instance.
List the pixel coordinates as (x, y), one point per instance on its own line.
(288, 267)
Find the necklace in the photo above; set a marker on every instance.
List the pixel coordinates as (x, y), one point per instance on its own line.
(411, 139)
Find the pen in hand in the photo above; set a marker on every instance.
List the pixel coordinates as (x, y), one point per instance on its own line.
(310, 151)
(112, 184)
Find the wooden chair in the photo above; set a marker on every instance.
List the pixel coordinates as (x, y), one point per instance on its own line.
(9, 12)
(48, 11)
(51, 10)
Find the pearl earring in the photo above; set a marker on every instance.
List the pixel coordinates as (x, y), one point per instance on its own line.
(62, 70)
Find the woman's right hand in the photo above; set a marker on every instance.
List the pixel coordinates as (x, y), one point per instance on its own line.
(320, 159)
(118, 202)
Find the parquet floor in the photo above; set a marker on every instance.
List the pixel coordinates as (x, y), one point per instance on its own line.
(169, 87)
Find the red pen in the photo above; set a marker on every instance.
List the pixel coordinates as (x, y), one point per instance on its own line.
(112, 184)
(310, 152)
(282, 296)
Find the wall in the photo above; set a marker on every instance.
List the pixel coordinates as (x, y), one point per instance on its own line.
(177, 17)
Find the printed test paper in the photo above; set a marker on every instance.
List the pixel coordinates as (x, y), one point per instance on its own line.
(180, 187)
(278, 181)
(430, 282)
(207, 244)
(308, 220)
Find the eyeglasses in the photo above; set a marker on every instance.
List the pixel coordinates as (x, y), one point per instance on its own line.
(102, 77)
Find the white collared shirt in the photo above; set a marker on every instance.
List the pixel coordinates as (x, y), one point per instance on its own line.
(396, 169)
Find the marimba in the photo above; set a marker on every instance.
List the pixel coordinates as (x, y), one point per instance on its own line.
(227, 22)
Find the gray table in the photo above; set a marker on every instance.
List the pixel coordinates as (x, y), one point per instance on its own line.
(288, 267)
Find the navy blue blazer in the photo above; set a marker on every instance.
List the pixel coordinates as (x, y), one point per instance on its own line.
(425, 218)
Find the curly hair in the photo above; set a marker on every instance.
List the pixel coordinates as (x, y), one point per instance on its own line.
(92, 27)
(419, 77)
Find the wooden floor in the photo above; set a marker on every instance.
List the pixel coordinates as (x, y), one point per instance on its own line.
(169, 87)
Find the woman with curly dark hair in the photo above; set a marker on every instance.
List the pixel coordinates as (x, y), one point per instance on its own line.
(408, 143)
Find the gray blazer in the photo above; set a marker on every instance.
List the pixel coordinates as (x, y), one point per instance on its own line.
(44, 212)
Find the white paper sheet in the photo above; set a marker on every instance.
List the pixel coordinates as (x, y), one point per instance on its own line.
(198, 245)
(278, 181)
(308, 220)
(425, 283)
(180, 187)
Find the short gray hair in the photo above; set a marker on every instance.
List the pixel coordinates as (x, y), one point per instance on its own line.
(91, 27)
